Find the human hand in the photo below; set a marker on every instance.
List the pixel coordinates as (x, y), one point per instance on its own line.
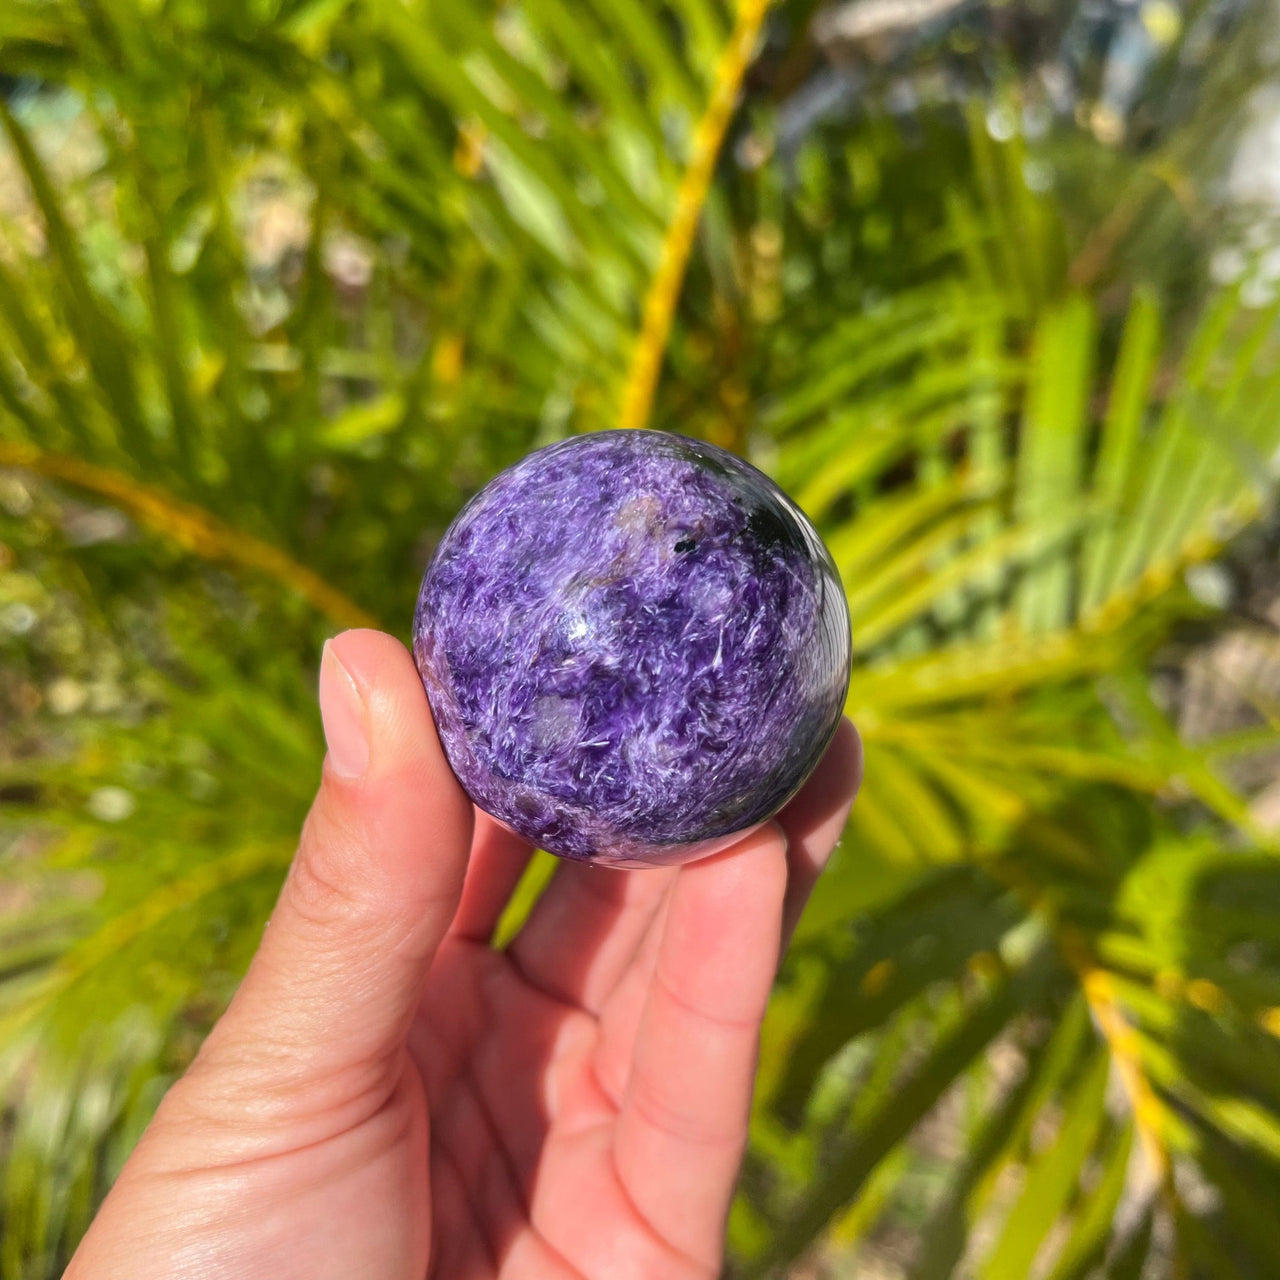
(390, 1097)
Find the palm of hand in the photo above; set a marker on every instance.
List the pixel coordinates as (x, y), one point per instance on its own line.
(571, 1108)
(390, 1097)
(562, 1141)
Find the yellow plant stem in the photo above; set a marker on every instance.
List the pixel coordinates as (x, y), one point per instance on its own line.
(664, 290)
(1157, 578)
(1122, 1042)
(118, 932)
(190, 527)
(1120, 1038)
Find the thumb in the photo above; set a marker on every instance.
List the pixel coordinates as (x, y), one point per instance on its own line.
(319, 1022)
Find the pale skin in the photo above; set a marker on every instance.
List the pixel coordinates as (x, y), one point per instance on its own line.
(389, 1097)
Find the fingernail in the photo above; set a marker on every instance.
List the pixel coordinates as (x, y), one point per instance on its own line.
(346, 722)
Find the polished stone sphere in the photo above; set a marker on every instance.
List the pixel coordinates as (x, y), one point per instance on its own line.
(635, 647)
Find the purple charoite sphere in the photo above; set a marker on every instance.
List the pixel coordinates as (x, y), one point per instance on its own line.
(635, 647)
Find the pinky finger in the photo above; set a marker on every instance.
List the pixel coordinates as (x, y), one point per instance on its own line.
(815, 819)
(498, 860)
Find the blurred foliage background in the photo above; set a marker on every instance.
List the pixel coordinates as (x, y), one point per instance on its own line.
(991, 288)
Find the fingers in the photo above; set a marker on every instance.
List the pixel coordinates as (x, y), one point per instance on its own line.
(622, 1011)
(584, 930)
(815, 819)
(498, 860)
(683, 1119)
(588, 927)
(813, 822)
(321, 1017)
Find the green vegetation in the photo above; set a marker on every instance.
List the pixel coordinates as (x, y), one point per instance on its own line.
(282, 281)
